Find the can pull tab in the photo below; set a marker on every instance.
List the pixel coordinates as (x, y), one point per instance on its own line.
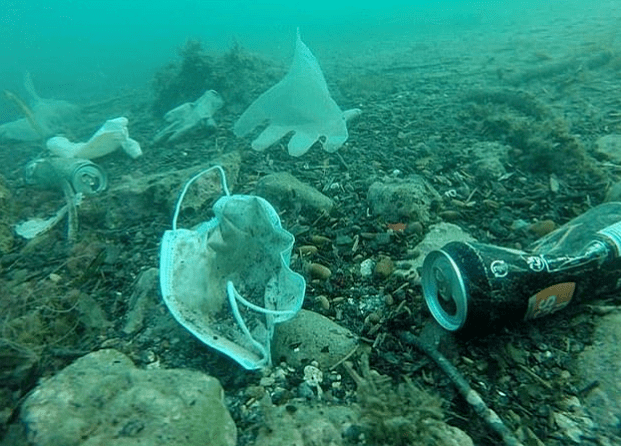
(89, 181)
(84, 176)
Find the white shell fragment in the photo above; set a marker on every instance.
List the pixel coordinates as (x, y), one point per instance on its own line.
(299, 103)
(190, 116)
(112, 135)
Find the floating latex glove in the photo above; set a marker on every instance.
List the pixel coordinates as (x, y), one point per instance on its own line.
(190, 116)
(43, 118)
(112, 135)
(299, 103)
(228, 280)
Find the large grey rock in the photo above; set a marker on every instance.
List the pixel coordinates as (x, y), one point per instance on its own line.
(307, 426)
(136, 198)
(601, 362)
(438, 235)
(309, 336)
(103, 399)
(284, 191)
(402, 200)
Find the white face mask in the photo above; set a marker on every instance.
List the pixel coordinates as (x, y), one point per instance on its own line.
(205, 271)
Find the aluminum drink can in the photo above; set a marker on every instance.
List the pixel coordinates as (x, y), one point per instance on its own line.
(83, 175)
(479, 287)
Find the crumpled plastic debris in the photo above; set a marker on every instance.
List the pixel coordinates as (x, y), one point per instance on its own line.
(299, 103)
(112, 135)
(190, 116)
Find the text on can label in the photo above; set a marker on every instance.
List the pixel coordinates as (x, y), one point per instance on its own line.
(550, 300)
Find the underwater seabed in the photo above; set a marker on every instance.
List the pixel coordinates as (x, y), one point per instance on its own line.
(498, 137)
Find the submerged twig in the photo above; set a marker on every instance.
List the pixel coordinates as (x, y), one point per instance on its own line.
(72, 212)
(470, 395)
(26, 111)
(342, 160)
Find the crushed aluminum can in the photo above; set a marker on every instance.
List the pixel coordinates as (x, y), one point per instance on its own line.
(478, 287)
(82, 175)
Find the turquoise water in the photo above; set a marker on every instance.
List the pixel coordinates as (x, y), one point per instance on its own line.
(77, 49)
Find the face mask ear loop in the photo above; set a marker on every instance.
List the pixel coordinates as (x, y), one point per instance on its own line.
(233, 294)
(225, 189)
(255, 307)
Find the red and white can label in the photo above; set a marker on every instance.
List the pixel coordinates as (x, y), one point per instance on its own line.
(550, 299)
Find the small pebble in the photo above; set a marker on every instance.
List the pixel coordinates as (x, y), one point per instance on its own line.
(281, 396)
(256, 392)
(449, 215)
(307, 250)
(383, 238)
(366, 268)
(373, 318)
(555, 186)
(491, 204)
(384, 267)
(415, 228)
(389, 300)
(267, 381)
(318, 271)
(344, 240)
(518, 224)
(353, 433)
(323, 302)
(542, 227)
(305, 391)
(320, 240)
(397, 227)
(313, 375)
